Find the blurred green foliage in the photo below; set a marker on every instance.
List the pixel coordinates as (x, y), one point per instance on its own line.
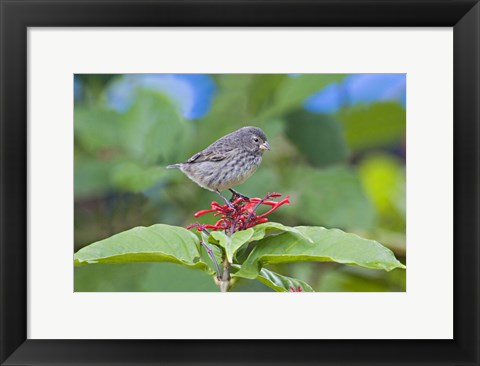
(343, 170)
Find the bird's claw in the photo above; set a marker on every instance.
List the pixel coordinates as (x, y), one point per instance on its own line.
(236, 195)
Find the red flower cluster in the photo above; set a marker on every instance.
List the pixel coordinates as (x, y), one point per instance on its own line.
(298, 289)
(241, 214)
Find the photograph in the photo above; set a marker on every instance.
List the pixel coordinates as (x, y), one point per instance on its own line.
(157, 154)
(240, 182)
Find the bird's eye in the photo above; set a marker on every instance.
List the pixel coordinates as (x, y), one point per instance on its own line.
(255, 139)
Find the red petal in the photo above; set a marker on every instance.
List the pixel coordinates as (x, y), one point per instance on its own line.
(203, 212)
(276, 206)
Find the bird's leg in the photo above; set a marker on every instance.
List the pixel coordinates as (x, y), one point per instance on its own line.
(229, 204)
(236, 194)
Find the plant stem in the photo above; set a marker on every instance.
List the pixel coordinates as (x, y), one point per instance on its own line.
(225, 280)
(212, 257)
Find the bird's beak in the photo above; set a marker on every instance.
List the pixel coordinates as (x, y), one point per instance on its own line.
(265, 146)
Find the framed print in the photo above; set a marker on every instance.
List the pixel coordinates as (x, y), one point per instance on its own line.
(238, 164)
(316, 161)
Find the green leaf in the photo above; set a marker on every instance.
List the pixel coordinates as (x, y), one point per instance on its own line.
(293, 91)
(262, 90)
(356, 279)
(260, 230)
(318, 137)
(278, 282)
(373, 126)
(142, 277)
(153, 129)
(329, 245)
(156, 243)
(91, 176)
(136, 178)
(230, 104)
(384, 179)
(232, 243)
(97, 128)
(332, 197)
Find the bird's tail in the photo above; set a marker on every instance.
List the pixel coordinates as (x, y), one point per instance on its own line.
(173, 166)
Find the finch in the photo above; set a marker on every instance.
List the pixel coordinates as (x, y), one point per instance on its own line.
(227, 162)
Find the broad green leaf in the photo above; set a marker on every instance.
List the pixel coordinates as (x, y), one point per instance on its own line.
(332, 197)
(318, 137)
(136, 178)
(292, 92)
(357, 279)
(97, 128)
(383, 177)
(262, 90)
(156, 243)
(260, 230)
(340, 281)
(329, 245)
(374, 125)
(278, 282)
(219, 238)
(142, 277)
(229, 109)
(232, 243)
(91, 176)
(154, 130)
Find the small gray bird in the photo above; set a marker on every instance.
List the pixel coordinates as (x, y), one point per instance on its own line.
(227, 162)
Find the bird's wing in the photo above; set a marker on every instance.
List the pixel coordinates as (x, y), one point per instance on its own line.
(209, 155)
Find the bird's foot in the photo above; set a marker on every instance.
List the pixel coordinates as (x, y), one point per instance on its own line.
(236, 195)
(229, 204)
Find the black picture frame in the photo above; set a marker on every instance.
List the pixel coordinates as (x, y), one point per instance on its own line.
(18, 15)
